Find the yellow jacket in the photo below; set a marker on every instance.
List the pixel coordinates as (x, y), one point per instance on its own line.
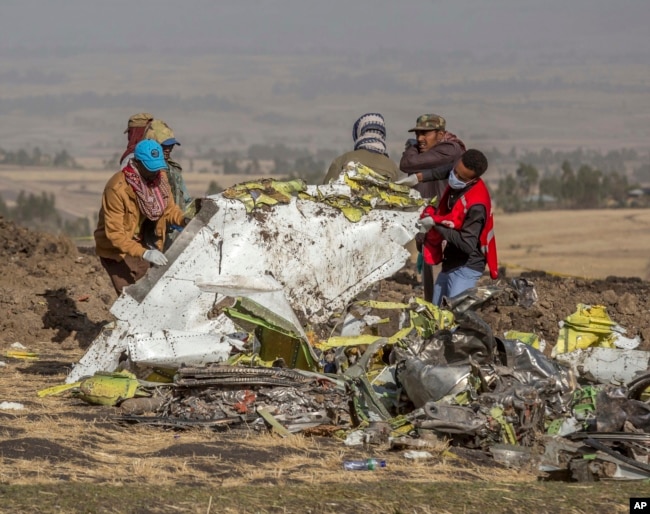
(120, 220)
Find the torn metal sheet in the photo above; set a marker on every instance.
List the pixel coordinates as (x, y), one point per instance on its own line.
(605, 365)
(614, 409)
(451, 419)
(603, 460)
(318, 256)
(530, 366)
(425, 382)
(471, 299)
(169, 347)
(524, 291)
(511, 456)
(289, 400)
(105, 353)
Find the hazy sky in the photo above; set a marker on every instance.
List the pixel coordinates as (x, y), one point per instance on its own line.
(353, 26)
(508, 69)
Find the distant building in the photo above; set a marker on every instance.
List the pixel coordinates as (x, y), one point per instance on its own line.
(638, 192)
(541, 199)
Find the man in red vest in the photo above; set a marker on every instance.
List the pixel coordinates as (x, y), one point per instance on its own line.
(464, 220)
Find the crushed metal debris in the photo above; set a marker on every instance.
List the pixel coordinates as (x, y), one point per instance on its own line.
(230, 333)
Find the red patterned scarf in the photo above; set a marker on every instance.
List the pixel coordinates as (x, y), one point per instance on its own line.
(136, 134)
(152, 197)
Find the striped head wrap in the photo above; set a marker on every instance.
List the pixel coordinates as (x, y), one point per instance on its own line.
(369, 133)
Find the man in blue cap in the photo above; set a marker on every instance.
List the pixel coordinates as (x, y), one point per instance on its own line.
(137, 205)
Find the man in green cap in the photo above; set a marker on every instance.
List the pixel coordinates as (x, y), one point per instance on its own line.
(159, 131)
(432, 148)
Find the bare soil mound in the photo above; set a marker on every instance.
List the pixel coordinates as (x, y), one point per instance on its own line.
(627, 301)
(51, 290)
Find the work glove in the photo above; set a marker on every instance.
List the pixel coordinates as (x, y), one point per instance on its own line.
(410, 142)
(425, 224)
(410, 180)
(155, 257)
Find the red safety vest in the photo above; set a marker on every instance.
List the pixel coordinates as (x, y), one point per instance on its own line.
(477, 194)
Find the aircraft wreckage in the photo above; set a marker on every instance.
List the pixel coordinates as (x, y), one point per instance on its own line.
(258, 319)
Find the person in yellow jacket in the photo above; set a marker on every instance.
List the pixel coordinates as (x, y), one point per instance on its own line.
(137, 205)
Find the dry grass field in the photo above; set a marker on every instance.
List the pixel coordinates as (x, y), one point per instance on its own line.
(59, 454)
(592, 244)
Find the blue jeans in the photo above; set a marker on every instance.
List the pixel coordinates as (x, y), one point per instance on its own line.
(452, 283)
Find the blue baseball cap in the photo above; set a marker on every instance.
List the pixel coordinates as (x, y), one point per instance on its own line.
(171, 141)
(150, 154)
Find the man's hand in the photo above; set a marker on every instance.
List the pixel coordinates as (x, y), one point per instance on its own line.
(425, 224)
(410, 180)
(410, 142)
(155, 257)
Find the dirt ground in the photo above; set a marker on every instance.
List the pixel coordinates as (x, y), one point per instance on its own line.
(56, 297)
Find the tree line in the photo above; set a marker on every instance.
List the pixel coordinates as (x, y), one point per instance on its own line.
(40, 212)
(576, 183)
(35, 157)
(563, 188)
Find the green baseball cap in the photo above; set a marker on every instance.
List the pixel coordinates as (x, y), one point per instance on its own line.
(159, 131)
(429, 122)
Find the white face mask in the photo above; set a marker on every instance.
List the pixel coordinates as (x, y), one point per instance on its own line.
(455, 182)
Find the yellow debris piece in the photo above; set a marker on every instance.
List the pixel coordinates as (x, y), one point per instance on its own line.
(588, 326)
(369, 190)
(50, 391)
(108, 388)
(249, 359)
(645, 395)
(425, 318)
(264, 192)
(19, 354)
(159, 376)
(525, 337)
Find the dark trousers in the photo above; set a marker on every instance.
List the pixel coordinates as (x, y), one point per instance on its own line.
(125, 272)
(427, 271)
(427, 281)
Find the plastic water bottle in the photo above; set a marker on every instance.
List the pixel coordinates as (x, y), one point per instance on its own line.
(363, 465)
